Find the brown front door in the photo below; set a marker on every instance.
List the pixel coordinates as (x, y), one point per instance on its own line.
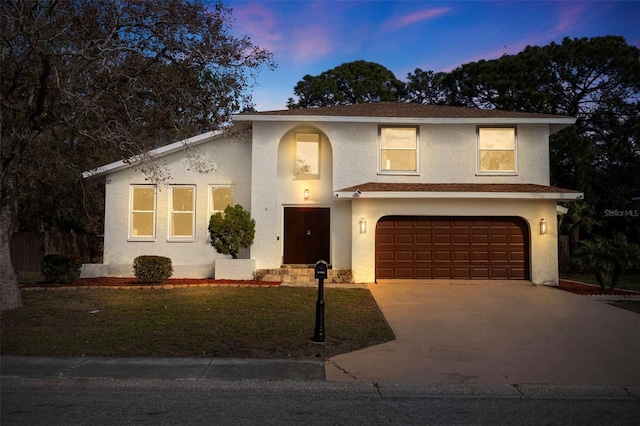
(306, 235)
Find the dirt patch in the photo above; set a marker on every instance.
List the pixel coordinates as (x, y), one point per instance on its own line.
(591, 290)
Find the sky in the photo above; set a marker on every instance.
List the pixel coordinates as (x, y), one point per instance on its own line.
(310, 37)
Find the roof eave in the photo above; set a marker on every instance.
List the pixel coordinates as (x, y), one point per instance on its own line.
(558, 196)
(557, 123)
(156, 153)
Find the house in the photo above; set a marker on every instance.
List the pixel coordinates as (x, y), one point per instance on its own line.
(388, 190)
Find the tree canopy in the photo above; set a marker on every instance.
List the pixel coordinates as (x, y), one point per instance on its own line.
(596, 80)
(349, 83)
(86, 82)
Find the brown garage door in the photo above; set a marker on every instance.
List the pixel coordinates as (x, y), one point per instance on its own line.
(427, 247)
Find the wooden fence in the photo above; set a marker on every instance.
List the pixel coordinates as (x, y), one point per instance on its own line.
(28, 249)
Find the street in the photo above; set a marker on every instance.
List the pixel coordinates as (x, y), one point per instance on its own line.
(55, 401)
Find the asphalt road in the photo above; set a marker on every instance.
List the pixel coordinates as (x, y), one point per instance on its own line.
(55, 401)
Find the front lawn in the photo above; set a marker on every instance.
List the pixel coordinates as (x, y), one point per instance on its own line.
(273, 322)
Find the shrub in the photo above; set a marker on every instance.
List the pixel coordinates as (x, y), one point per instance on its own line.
(232, 231)
(61, 269)
(343, 276)
(152, 269)
(606, 259)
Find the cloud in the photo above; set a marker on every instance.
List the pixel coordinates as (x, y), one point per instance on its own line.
(293, 34)
(412, 18)
(259, 23)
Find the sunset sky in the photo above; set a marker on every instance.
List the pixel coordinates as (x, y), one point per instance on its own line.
(309, 37)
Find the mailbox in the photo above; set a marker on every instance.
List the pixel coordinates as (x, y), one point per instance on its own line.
(321, 269)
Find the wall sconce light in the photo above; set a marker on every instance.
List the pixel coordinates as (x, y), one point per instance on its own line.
(363, 226)
(543, 226)
(306, 194)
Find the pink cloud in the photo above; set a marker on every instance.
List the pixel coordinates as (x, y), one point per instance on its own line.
(310, 43)
(259, 23)
(301, 36)
(412, 18)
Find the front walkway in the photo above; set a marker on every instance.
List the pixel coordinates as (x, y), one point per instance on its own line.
(496, 332)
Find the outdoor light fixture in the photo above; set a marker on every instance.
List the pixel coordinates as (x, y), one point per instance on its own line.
(363, 226)
(306, 194)
(543, 226)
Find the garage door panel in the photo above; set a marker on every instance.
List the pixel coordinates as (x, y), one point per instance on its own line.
(423, 256)
(452, 247)
(442, 239)
(404, 239)
(423, 239)
(404, 256)
(385, 256)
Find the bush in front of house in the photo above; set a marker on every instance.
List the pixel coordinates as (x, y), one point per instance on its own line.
(152, 269)
(233, 231)
(607, 258)
(58, 268)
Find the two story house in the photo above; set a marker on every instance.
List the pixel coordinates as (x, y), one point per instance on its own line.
(387, 190)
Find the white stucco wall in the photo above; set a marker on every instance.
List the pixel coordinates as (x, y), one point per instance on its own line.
(262, 172)
(349, 156)
(231, 159)
(543, 249)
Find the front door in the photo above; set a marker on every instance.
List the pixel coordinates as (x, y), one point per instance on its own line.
(306, 235)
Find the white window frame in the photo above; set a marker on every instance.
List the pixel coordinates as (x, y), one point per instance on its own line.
(210, 199)
(479, 170)
(152, 237)
(383, 171)
(305, 176)
(187, 238)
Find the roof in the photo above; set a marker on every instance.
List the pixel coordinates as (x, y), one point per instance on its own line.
(400, 112)
(156, 153)
(456, 190)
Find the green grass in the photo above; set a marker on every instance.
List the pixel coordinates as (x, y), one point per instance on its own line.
(627, 281)
(207, 322)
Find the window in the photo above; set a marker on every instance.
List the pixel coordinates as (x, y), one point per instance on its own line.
(220, 196)
(307, 164)
(497, 150)
(399, 149)
(142, 222)
(182, 213)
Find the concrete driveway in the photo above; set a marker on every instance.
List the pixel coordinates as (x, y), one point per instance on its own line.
(496, 332)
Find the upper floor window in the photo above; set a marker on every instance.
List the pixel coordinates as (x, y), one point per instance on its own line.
(307, 163)
(220, 196)
(182, 212)
(497, 150)
(142, 218)
(399, 150)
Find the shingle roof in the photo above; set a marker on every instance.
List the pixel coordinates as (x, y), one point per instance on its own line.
(456, 187)
(402, 110)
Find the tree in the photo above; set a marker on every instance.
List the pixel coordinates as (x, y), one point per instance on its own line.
(105, 78)
(349, 83)
(597, 80)
(607, 258)
(233, 231)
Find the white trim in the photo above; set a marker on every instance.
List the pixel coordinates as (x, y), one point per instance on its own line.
(416, 151)
(341, 195)
(212, 186)
(410, 120)
(192, 237)
(155, 213)
(479, 171)
(157, 153)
